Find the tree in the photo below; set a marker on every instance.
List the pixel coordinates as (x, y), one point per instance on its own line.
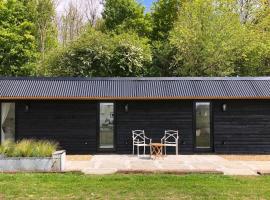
(258, 61)
(99, 54)
(92, 8)
(247, 9)
(164, 14)
(209, 39)
(123, 15)
(131, 55)
(71, 24)
(44, 20)
(162, 56)
(17, 39)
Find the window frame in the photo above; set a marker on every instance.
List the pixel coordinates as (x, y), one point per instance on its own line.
(203, 149)
(99, 149)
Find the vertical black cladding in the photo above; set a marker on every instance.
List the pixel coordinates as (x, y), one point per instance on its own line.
(71, 123)
(154, 117)
(244, 127)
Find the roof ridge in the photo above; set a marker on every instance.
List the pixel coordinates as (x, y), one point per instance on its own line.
(136, 78)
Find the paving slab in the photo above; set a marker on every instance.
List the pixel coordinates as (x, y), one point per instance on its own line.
(106, 164)
(239, 172)
(102, 171)
(264, 172)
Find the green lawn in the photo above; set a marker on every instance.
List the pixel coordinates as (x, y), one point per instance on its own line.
(78, 186)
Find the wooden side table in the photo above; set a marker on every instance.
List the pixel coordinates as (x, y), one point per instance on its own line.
(156, 149)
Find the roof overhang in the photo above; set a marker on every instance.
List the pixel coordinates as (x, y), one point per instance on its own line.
(135, 98)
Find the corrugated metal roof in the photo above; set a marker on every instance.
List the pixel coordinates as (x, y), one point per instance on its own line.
(135, 88)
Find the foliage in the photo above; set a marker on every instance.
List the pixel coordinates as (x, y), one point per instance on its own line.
(260, 27)
(131, 55)
(177, 38)
(88, 56)
(28, 148)
(164, 14)
(7, 148)
(99, 54)
(17, 39)
(163, 54)
(71, 24)
(123, 15)
(45, 28)
(210, 41)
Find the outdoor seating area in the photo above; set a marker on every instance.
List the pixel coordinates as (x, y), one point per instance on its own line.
(156, 149)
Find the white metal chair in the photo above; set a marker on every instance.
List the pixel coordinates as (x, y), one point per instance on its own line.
(139, 140)
(170, 139)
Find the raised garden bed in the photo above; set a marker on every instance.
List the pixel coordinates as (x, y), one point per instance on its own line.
(34, 164)
(31, 155)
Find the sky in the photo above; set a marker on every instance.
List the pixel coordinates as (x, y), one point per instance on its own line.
(63, 4)
(146, 3)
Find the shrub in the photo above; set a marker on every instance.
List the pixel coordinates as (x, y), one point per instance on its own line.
(99, 54)
(28, 148)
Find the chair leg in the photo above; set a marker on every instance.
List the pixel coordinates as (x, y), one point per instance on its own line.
(138, 149)
(133, 150)
(144, 150)
(165, 150)
(176, 150)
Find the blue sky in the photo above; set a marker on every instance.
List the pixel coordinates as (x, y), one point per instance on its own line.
(146, 3)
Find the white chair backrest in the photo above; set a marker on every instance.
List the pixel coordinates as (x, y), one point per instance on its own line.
(138, 136)
(171, 136)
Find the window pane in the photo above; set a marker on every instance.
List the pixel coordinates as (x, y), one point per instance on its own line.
(202, 124)
(106, 125)
(7, 121)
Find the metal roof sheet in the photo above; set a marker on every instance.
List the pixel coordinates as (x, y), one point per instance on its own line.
(134, 88)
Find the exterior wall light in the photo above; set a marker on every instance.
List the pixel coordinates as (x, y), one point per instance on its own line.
(126, 108)
(26, 108)
(224, 107)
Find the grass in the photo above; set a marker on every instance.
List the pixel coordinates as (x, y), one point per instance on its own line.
(157, 186)
(28, 148)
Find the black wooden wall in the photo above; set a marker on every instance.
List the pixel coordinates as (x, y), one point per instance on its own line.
(243, 128)
(71, 123)
(154, 117)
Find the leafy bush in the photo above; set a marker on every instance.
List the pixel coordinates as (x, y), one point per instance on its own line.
(131, 55)
(99, 54)
(28, 148)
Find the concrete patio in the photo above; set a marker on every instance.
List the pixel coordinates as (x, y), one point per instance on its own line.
(108, 164)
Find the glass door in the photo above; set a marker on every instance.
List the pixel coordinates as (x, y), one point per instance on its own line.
(203, 140)
(106, 125)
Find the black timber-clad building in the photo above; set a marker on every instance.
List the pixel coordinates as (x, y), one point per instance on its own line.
(93, 115)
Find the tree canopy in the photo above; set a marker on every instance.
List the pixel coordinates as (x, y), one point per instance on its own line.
(207, 38)
(17, 39)
(173, 38)
(164, 14)
(99, 54)
(123, 15)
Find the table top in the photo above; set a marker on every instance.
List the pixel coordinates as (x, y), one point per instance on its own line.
(157, 144)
